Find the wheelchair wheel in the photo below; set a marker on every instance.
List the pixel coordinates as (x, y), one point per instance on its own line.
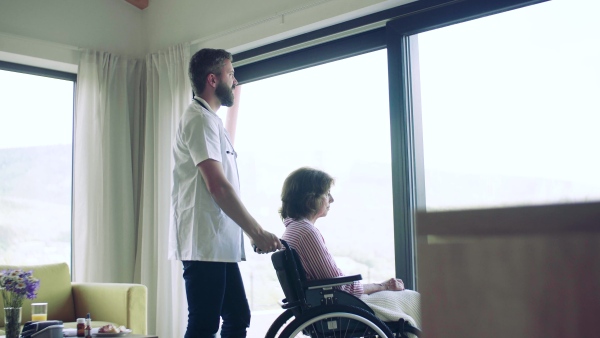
(279, 323)
(336, 321)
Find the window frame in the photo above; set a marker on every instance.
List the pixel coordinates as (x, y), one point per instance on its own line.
(399, 26)
(32, 70)
(406, 119)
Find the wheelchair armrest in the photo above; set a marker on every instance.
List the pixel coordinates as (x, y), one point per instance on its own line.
(330, 282)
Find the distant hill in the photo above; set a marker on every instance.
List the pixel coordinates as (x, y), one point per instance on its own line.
(37, 173)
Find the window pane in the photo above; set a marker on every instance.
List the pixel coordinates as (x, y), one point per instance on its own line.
(324, 117)
(510, 109)
(36, 128)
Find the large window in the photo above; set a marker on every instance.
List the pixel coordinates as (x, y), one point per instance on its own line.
(510, 109)
(36, 128)
(323, 117)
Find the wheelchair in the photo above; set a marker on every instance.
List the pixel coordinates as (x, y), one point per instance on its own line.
(318, 310)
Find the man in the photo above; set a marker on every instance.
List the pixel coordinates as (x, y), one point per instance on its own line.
(208, 217)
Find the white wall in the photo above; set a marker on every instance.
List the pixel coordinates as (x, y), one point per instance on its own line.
(238, 25)
(49, 33)
(54, 29)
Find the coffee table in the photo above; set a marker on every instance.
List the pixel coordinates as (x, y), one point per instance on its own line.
(131, 336)
(134, 336)
(127, 336)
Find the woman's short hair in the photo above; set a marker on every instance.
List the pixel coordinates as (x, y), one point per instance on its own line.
(206, 61)
(301, 192)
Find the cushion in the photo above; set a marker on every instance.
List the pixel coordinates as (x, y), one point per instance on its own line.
(55, 289)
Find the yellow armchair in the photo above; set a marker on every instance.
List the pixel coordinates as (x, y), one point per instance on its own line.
(115, 303)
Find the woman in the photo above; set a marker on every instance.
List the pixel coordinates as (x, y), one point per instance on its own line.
(305, 198)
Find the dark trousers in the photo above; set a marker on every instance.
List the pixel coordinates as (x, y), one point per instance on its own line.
(215, 290)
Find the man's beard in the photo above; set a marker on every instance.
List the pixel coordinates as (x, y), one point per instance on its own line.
(224, 94)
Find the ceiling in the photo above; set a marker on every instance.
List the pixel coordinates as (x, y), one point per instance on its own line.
(141, 4)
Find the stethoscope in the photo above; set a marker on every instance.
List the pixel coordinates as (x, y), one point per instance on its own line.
(232, 152)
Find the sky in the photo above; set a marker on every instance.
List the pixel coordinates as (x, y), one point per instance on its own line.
(34, 110)
(516, 92)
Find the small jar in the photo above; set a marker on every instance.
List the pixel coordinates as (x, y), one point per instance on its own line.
(80, 327)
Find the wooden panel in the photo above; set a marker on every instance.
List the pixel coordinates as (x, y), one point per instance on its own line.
(141, 4)
(516, 272)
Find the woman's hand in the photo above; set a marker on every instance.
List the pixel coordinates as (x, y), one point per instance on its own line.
(393, 284)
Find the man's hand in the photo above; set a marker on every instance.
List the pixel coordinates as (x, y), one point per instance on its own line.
(265, 242)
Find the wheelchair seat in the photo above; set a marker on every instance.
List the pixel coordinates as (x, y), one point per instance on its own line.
(318, 309)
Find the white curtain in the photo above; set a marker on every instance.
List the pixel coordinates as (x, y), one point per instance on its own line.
(168, 95)
(109, 106)
(126, 115)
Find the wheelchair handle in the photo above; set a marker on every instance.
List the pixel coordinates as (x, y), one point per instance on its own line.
(289, 254)
(285, 244)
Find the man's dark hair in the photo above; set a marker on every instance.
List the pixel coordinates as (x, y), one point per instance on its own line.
(301, 192)
(206, 61)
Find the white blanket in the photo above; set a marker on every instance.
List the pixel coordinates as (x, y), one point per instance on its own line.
(390, 306)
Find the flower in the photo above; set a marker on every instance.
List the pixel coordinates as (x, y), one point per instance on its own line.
(16, 285)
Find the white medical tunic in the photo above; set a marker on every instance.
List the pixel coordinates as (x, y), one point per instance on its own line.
(199, 229)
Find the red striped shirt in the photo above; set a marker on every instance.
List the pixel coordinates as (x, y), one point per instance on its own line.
(316, 259)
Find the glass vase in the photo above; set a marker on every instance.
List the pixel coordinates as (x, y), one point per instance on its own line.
(12, 321)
